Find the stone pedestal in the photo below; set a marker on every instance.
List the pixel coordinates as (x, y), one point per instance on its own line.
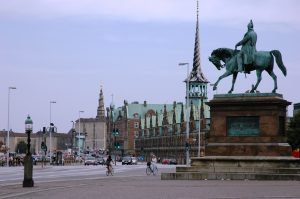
(250, 124)
(247, 140)
(238, 168)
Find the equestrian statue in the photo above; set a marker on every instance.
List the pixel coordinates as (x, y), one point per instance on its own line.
(246, 60)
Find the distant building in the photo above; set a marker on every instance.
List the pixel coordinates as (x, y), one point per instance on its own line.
(296, 108)
(60, 141)
(160, 129)
(92, 130)
(92, 137)
(170, 139)
(134, 120)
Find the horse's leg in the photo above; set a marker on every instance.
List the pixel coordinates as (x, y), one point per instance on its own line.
(258, 75)
(234, 75)
(221, 77)
(272, 74)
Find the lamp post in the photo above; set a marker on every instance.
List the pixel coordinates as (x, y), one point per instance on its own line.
(199, 136)
(79, 135)
(50, 129)
(73, 135)
(28, 165)
(116, 144)
(111, 108)
(199, 133)
(7, 140)
(187, 112)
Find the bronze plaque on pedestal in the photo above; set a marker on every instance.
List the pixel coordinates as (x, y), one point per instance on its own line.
(243, 126)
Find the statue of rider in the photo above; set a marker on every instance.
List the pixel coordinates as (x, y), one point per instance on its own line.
(248, 43)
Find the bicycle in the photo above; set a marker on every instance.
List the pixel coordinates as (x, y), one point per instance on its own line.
(110, 171)
(151, 168)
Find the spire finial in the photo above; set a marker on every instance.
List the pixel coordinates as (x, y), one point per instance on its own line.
(197, 9)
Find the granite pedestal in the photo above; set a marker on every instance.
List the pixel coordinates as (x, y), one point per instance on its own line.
(248, 125)
(247, 140)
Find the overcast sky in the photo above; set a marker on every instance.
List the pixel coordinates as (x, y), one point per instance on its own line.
(64, 50)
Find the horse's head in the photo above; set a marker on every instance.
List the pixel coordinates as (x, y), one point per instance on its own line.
(221, 54)
(216, 61)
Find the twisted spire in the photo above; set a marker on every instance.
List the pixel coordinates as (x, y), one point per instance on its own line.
(196, 73)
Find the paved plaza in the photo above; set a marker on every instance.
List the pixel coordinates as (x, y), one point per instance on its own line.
(130, 181)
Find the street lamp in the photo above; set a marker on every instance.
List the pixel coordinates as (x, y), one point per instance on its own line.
(187, 112)
(199, 132)
(50, 129)
(79, 135)
(28, 165)
(7, 140)
(200, 119)
(116, 144)
(73, 135)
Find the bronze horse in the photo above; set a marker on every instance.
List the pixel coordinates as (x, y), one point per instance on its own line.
(263, 61)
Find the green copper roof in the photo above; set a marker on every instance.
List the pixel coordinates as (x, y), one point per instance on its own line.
(170, 116)
(139, 110)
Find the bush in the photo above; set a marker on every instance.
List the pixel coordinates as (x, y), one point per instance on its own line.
(293, 132)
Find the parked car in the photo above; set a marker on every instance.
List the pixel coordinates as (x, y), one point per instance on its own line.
(134, 160)
(165, 161)
(126, 160)
(173, 161)
(100, 160)
(35, 159)
(90, 160)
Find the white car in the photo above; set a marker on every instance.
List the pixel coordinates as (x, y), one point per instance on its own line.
(134, 160)
(90, 161)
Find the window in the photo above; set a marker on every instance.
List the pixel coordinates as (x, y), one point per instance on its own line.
(136, 125)
(136, 134)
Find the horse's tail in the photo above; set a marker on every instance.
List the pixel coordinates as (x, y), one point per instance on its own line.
(279, 62)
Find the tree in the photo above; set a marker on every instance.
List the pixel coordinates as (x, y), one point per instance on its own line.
(21, 147)
(2, 148)
(293, 132)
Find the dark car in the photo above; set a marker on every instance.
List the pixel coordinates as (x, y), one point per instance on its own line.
(126, 160)
(173, 161)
